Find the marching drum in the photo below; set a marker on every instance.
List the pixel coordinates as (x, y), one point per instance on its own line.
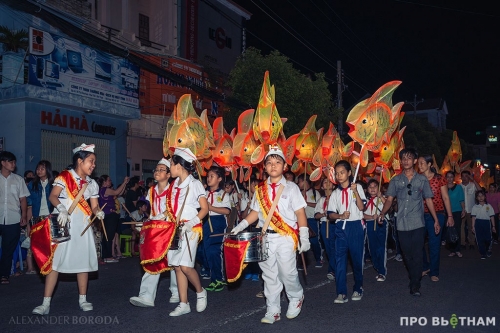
(176, 242)
(59, 234)
(257, 249)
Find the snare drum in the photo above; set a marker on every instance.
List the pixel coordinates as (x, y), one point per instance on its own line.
(257, 249)
(176, 242)
(59, 234)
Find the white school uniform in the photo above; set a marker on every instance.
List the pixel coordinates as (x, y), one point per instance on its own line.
(321, 208)
(218, 199)
(149, 282)
(196, 190)
(79, 254)
(341, 201)
(280, 269)
(312, 196)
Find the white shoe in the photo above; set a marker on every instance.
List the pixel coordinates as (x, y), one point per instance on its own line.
(174, 299)
(181, 309)
(270, 318)
(294, 308)
(357, 296)
(41, 310)
(341, 299)
(139, 301)
(86, 306)
(201, 301)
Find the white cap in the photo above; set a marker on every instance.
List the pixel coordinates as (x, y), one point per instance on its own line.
(275, 149)
(186, 154)
(84, 147)
(165, 162)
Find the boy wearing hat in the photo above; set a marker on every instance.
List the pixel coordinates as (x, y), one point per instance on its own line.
(279, 270)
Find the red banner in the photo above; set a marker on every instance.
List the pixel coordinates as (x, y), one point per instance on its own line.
(234, 256)
(41, 245)
(156, 238)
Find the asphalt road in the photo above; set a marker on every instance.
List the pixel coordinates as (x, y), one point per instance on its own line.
(468, 288)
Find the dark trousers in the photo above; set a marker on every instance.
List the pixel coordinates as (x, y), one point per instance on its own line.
(483, 235)
(10, 239)
(111, 222)
(457, 218)
(315, 246)
(434, 243)
(349, 240)
(377, 244)
(394, 233)
(329, 243)
(213, 246)
(412, 243)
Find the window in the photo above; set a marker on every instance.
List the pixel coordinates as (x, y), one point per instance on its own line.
(143, 26)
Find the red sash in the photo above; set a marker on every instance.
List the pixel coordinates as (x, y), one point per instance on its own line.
(155, 240)
(170, 212)
(72, 189)
(234, 256)
(41, 245)
(277, 222)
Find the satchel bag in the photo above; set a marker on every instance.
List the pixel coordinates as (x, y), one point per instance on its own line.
(451, 235)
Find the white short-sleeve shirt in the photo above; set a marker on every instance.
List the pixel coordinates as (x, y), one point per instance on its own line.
(339, 205)
(196, 190)
(372, 205)
(12, 189)
(290, 201)
(92, 190)
(482, 212)
(312, 196)
(321, 207)
(218, 198)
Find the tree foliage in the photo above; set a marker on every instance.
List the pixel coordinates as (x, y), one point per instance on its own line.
(13, 40)
(425, 138)
(297, 96)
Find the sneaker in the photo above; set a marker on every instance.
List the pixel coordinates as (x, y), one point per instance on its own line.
(443, 243)
(319, 264)
(141, 302)
(181, 309)
(294, 308)
(330, 276)
(260, 294)
(174, 298)
(488, 254)
(270, 318)
(380, 278)
(201, 301)
(459, 255)
(215, 286)
(398, 257)
(483, 257)
(389, 251)
(341, 299)
(248, 276)
(41, 310)
(357, 296)
(300, 268)
(204, 273)
(86, 306)
(255, 278)
(415, 292)
(452, 254)
(111, 260)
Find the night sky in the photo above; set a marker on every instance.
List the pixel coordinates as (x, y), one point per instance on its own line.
(439, 49)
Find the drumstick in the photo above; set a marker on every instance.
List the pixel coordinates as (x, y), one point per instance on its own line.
(189, 248)
(127, 211)
(224, 234)
(90, 223)
(77, 198)
(104, 229)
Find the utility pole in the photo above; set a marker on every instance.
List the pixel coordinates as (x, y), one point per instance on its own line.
(339, 97)
(414, 104)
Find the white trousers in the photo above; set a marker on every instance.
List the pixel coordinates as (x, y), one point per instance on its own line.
(280, 270)
(149, 285)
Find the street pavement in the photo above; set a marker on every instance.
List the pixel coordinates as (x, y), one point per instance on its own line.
(469, 288)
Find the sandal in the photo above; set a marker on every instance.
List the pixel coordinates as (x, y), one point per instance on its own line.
(30, 272)
(459, 255)
(18, 273)
(452, 254)
(4, 280)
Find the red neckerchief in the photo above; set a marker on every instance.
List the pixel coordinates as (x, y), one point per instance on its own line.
(345, 196)
(176, 200)
(273, 187)
(325, 204)
(370, 203)
(157, 199)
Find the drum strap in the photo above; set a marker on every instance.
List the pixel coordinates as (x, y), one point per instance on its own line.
(77, 198)
(272, 209)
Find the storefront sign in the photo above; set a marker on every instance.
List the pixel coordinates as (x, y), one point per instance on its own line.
(58, 119)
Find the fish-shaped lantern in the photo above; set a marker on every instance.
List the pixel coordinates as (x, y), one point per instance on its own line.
(185, 129)
(267, 124)
(388, 156)
(244, 144)
(223, 153)
(331, 150)
(455, 153)
(374, 120)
